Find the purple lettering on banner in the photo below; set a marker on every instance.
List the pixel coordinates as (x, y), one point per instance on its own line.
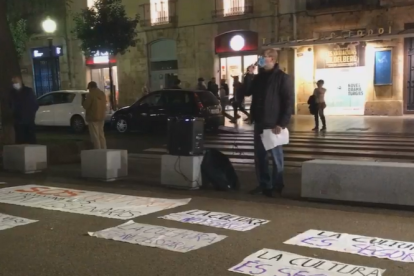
(381, 252)
(246, 264)
(296, 272)
(319, 241)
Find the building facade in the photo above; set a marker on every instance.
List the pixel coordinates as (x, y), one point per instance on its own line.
(363, 49)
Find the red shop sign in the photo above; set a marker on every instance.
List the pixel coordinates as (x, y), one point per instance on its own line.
(236, 41)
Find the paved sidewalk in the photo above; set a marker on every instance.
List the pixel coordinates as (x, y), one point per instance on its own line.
(58, 243)
(403, 125)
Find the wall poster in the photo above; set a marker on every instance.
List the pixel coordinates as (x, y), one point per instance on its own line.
(342, 67)
(383, 67)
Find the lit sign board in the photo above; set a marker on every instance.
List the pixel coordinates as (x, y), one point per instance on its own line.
(100, 58)
(44, 52)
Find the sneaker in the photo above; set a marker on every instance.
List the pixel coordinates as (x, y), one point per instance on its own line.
(315, 129)
(323, 129)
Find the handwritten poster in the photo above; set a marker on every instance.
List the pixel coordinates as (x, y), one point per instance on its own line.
(7, 221)
(215, 219)
(365, 246)
(85, 202)
(268, 262)
(173, 239)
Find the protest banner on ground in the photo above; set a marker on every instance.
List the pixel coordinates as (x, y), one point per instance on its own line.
(173, 239)
(215, 219)
(7, 221)
(365, 246)
(269, 262)
(86, 202)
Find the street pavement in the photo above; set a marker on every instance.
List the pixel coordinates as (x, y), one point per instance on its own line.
(58, 243)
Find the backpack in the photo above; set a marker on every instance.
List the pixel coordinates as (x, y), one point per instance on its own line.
(313, 106)
(217, 170)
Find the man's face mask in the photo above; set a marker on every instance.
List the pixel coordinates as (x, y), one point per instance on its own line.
(17, 86)
(261, 62)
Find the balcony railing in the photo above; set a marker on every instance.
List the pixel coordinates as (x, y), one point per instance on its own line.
(158, 21)
(161, 13)
(229, 8)
(331, 4)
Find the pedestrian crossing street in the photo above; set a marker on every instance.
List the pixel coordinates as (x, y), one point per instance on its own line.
(305, 146)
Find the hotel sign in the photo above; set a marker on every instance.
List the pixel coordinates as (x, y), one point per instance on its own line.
(340, 55)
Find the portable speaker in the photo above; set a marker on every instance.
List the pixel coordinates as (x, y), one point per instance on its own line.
(185, 136)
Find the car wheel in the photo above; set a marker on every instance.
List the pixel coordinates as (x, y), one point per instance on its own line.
(77, 124)
(121, 125)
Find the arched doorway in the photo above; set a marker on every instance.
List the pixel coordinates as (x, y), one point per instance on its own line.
(163, 63)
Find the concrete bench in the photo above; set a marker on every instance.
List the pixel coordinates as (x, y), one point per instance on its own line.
(369, 182)
(104, 164)
(25, 158)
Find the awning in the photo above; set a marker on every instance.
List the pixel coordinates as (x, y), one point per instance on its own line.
(340, 40)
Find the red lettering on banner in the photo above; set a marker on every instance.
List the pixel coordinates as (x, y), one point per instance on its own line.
(49, 191)
(60, 192)
(32, 190)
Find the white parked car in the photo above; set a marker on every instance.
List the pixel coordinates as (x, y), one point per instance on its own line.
(63, 108)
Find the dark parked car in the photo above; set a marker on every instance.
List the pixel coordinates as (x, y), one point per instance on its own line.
(151, 112)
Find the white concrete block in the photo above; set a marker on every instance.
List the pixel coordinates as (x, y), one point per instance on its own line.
(25, 158)
(370, 182)
(181, 171)
(104, 164)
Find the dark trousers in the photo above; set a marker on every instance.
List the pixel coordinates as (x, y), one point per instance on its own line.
(25, 133)
(261, 160)
(320, 114)
(239, 106)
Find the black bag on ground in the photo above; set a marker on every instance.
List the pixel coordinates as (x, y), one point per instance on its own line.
(217, 169)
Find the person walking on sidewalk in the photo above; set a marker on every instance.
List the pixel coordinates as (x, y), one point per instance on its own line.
(238, 101)
(319, 95)
(272, 107)
(213, 87)
(24, 106)
(95, 109)
(201, 85)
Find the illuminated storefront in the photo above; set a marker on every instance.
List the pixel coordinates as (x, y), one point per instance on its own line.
(342, 67)
(236, 50)
(98, 71)
(364, 70)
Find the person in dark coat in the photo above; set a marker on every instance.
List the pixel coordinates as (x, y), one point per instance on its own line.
(201, 84)
(272, 107)
(225, 86)
(238, 101)
(176, 84)
(213, 87)
(7, 118)
(24, 106)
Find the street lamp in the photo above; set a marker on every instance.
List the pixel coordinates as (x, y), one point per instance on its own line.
(49, 26)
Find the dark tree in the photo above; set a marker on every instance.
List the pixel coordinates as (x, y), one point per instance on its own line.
(18, 20)
(105, 27)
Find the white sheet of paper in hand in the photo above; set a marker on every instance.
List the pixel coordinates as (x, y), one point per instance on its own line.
(271, 140)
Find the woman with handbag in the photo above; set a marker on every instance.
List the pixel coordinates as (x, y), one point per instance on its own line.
(319, 94)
